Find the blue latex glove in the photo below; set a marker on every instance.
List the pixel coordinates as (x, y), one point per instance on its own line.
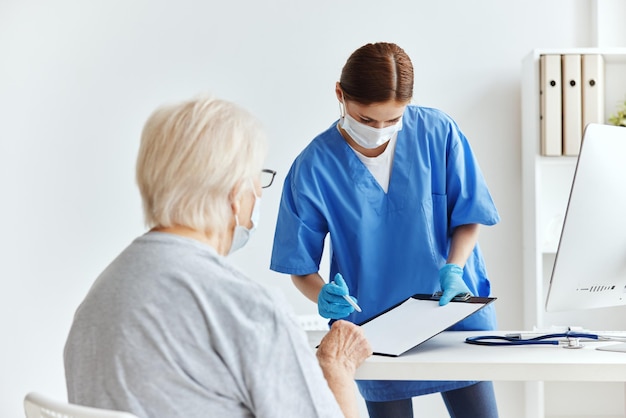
(331, 303)
(451, 281)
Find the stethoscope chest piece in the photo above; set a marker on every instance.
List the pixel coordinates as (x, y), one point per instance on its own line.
(573, 343)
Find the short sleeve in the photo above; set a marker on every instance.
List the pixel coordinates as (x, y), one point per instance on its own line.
(300, 227)
(469, 199)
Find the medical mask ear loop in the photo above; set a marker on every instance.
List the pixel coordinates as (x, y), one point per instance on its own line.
(343, 111)
(241, 234)
(240, 237)
(342, 108)
(342, 114)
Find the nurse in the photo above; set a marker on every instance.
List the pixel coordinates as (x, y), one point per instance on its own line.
(401, 196)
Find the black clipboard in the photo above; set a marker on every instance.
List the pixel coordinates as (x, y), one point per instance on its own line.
(416, 320)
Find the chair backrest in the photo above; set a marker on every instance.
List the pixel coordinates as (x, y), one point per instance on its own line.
(40, 406)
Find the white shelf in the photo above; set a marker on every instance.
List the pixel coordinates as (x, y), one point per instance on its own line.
(546, 184)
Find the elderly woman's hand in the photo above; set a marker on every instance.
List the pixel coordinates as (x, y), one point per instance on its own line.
(343, 349)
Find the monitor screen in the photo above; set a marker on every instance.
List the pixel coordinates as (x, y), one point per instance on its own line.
(590, 265)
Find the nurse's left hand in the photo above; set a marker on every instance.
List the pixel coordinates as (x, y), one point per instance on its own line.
(451, 282)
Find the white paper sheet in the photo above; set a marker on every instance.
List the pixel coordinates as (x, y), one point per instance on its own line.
(413, 322)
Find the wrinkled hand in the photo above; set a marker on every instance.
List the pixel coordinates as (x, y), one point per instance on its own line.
(330, 301)
(451, 282)
(343, 349)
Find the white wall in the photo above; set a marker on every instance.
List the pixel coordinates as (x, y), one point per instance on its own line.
(79, 78)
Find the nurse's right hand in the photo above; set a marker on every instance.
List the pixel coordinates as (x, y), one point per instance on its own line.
(331, 302)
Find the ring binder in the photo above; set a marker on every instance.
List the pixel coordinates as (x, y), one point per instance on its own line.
(572, 104)
(550, 107)
(592, 89)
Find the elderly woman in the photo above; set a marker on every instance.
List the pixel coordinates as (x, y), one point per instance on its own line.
(171, 328)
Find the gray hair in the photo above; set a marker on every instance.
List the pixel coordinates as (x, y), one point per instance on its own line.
(192, 154)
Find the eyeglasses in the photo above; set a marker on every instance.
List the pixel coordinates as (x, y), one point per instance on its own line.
(267, 177)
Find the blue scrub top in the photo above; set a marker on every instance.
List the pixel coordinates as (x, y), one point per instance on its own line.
(388, 246)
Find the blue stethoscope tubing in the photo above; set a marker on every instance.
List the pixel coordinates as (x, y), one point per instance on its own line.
(547, 339)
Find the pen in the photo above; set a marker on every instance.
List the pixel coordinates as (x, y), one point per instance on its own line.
(350, 301)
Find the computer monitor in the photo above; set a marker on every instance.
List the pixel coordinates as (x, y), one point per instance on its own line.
(590, 265)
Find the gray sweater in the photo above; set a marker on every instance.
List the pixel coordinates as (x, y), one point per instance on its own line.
(170, 329)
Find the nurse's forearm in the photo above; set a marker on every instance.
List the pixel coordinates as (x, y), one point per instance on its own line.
(464, 240)
(310, 285)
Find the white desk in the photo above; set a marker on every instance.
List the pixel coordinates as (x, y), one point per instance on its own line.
(447, 357)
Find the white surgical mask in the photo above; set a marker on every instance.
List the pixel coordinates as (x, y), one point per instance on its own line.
(241, 236)
(366, 136)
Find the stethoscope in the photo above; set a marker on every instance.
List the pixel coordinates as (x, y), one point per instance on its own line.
(567, 339)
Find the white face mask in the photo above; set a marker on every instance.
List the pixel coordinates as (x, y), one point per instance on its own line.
(366, 136)
(241, 236)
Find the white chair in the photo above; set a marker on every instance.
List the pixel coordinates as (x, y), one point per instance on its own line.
(40, 406)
